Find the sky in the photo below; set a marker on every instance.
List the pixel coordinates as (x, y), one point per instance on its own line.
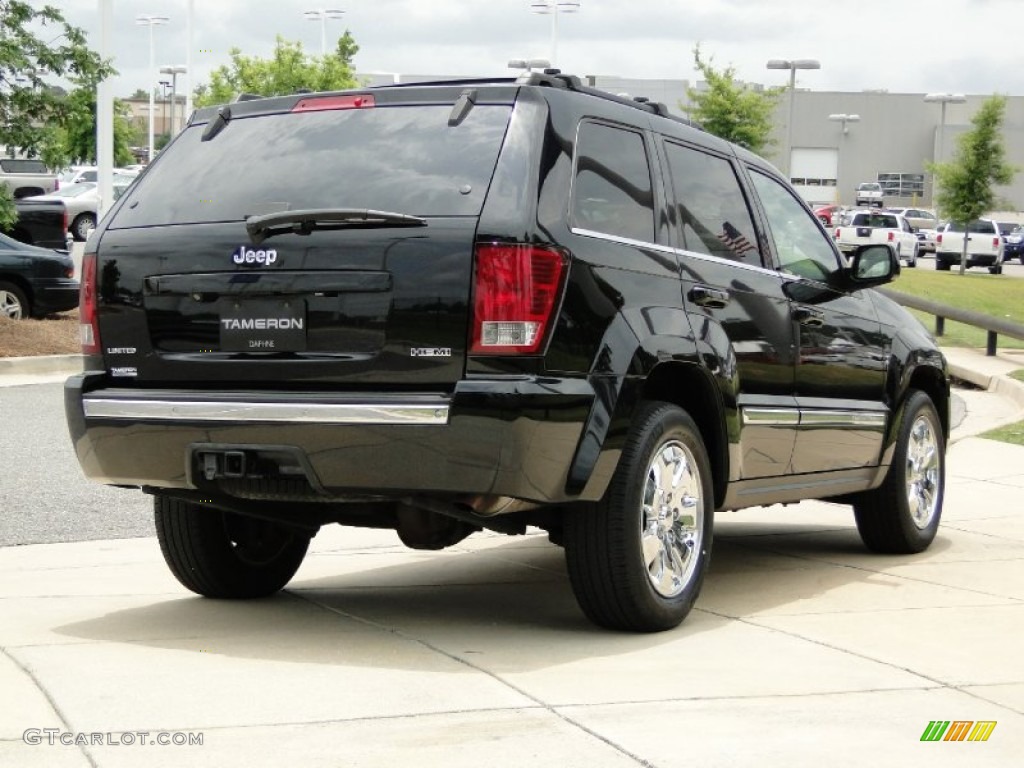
(902, 46)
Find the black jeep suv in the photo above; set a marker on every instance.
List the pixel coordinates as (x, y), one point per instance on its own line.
(447, 307)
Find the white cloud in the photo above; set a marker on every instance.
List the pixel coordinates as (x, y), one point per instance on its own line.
(896, 45)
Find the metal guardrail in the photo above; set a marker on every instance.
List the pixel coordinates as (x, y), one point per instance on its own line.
(992, 325)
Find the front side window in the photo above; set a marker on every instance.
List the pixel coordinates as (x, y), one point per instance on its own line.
(801, 246)
(612, 193)
(710, 205)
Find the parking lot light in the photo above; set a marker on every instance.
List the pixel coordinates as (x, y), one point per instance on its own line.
(845, 120)
(792, 65)
(943, 99)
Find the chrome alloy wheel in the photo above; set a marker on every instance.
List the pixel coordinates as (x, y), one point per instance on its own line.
(673, 519)
(10, 305)
(923, 472)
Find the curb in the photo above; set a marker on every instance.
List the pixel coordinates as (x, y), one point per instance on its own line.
(41, 364)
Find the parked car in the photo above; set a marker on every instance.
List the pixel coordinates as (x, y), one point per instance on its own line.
(25, 176)
(1013, 240)
(78, 174)
(828, 213)
(869, 193)
(918, 217)
(43, 223)
(859, 227)
(984, 246)
(82, 201)
(35, 281)
(487, 304)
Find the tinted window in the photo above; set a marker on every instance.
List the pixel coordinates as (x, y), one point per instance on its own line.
(9, 165)
(876, 220)
(710, 205)
(612, 193)
(400, 159)
(801, 246)
(977, 226)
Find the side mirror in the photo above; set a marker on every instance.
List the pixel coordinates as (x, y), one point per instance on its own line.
(871, 265)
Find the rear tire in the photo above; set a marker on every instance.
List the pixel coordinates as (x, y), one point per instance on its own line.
(941, 266)
(82, 224)
(224, 555)
(637, 558)
(13, 304)
(902, 515)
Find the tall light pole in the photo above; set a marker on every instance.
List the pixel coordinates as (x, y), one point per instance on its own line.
(554, 7)
(322, 15)
(151, 21)
(944, 99)
(173, 71)
(792, 65)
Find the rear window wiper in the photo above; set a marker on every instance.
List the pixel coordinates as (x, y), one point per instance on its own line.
(305, 221)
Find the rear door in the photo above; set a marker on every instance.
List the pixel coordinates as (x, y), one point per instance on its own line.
(191, 296)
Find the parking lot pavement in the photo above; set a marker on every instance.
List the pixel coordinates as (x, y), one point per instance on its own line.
(803, 649)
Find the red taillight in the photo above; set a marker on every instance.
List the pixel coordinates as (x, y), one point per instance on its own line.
(938, 239)
(996, 242)
(320, 103)
(892, 236)
(836, 235)
(515, 295)
(87, 306)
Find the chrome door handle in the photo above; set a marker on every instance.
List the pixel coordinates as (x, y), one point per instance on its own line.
(713, 298)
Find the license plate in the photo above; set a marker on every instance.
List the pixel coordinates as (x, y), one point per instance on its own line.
(263, 325)
(863, 231)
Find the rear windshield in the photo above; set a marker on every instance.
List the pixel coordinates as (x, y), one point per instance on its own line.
(12, 165)
(977, 226)
(400, 159)
(875, 220)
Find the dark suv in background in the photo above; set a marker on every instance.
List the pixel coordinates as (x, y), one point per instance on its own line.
(441, 308)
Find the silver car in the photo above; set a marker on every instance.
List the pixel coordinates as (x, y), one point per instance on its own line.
(82, 201)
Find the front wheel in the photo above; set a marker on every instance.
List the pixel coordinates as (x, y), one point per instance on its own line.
(221, 554)
(902, 515)
(637, 558)
(996, 270)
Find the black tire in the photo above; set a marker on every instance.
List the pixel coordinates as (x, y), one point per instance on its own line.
(13, 302)
(224, 555)
(82, 224)
(941, 266)
(996, 270)
(613, 547)
(886, 519)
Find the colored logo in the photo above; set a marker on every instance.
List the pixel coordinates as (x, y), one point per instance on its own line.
(958, 730)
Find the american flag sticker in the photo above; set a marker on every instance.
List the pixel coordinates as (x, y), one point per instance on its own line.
(734, 241)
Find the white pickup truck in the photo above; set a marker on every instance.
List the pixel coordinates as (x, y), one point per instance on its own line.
(26, 177)
(863, 227)
(984, 246)
(869, 193)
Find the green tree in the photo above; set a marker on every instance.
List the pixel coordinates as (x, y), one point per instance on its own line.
(965, 184)
(289, 70)
(729, 109)
(37, 43)
(77, 139)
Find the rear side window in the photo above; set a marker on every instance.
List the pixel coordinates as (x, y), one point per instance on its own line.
(402, 159)
(13, 165)
(612, 193)
(710, 205)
